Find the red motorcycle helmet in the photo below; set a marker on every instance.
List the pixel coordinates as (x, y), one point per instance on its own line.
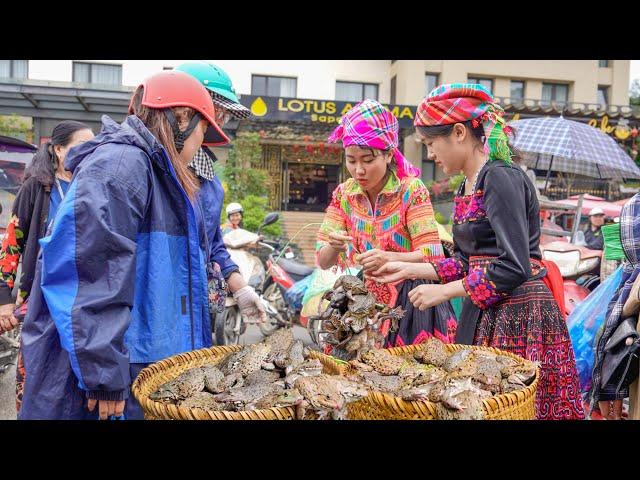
(172, 88)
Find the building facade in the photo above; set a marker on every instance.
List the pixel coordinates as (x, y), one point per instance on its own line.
(296, 103)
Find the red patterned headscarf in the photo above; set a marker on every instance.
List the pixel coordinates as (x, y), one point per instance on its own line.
(461, 102)
(369, 124)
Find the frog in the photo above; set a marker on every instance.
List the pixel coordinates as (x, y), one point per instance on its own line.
(356, 323)
(455, 359)
(433, 352)
(292, 358)
(280, 341)
(461, 400)
(382, 383)
(523, 373)
(432, 375)
(308, 368)
(261, 376)
(283, 398)
(418, 393)
(249, 359)
(350, 390)
(383, 362)
(213, 379)
(245, 398)
(413, 372)
(386, 313)
(230, 381)
(506, 361)
(321, 394)
(204, 401)
(362, 342)
(488, 373)
(361, 305)
(181, 387)
(352, 284)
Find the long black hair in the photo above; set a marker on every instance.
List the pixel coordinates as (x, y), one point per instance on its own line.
(45, 161)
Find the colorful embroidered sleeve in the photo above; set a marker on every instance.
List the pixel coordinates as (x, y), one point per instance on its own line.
(452, 268)
(506, 211)
(335, 220)
(421, 222)
(13, 244)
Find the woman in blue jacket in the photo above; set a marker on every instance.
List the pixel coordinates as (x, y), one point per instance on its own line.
(121, 279)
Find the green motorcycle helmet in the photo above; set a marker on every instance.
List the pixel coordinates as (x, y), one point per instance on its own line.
(216, 80)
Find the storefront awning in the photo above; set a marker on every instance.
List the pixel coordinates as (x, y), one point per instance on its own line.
(63, 100)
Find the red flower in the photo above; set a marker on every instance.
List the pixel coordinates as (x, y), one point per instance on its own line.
(9, 264)
(482, 292)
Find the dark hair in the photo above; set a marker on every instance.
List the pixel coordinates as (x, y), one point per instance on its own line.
(477, 132)
(156, 121)
(45, 161)
(445, 130)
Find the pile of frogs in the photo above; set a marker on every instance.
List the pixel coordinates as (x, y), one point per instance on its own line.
(351, 322)
(274, 373)
(455, 382)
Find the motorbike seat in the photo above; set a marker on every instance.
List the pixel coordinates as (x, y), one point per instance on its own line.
(295, 268)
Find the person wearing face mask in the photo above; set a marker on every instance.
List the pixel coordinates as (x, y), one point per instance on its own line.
(44, 185)
(496, 266)
(121, 280)
(383, 214)
(223, 273)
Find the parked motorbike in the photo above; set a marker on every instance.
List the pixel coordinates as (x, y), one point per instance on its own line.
(9, 343)
(579, 267)
(229, 324)
(283, 288)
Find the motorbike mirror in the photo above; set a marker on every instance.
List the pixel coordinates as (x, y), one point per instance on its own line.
(270, 218)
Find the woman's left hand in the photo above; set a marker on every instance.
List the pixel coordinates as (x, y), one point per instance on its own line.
(373, 259)
(427, 296)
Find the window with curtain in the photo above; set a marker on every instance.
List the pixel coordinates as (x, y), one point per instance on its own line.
(355, 92)
(97, 73)
(517, 91)
(274, 86)
(14, 68)
(603, 63)
(430, 82)
(603, 96)
(554, 92)
(392, 97)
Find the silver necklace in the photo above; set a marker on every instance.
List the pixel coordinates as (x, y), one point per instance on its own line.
(475, 178)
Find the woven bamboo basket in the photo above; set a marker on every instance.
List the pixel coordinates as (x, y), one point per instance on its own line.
(518, 405)
(165, 370)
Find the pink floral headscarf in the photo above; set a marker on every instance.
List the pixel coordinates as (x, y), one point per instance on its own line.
(369, 124)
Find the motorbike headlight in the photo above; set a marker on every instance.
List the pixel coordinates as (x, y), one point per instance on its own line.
(567, 262)
(588, 264)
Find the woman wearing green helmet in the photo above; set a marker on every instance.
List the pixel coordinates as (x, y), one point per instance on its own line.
(211, 193)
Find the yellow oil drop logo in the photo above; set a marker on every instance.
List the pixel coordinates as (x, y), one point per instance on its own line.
(258, 107)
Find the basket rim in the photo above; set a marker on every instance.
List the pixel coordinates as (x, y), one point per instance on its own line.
(511, 398)
(148, 373)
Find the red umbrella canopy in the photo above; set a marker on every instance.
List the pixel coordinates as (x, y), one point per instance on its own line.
(590, 201)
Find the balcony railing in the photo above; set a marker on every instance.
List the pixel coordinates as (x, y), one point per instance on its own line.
(568, 106)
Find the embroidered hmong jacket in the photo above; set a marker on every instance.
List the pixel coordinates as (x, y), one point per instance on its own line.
(401, 220)
(500, 220)
(27, 225)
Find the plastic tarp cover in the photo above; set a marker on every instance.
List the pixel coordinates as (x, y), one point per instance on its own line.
(586, 321)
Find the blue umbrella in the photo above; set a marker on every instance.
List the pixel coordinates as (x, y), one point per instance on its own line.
(563, 145)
